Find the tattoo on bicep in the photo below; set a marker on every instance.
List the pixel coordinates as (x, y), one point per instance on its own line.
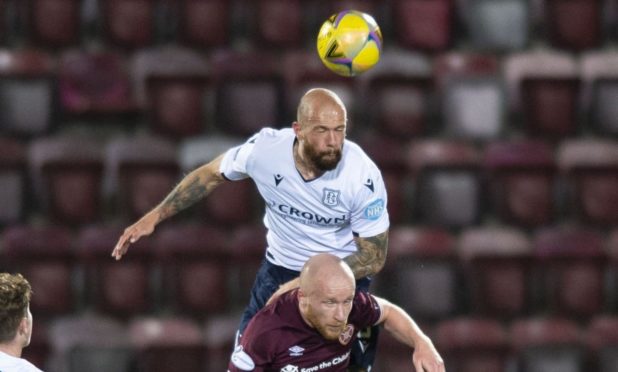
(371, 255)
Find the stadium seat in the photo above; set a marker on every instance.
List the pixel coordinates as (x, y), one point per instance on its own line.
(44, 256)
(472, 344)
(497, 266)
(602, 342)
(205, 23)
(570, 265)
(167, 344)
(15, 191)
(120, 288)
(67, 173)
(422, 273)
(93, 83)
(195, 269)
(220, 335)
(170, 61)
(302, 71)
(520, 177)
(600, 90)
(54, 23)
(277, 24)
(574, 24)
(176, 105)
(248, 92)
(448, 186)
(424, 24)
(547, 345)
(128, 23)
(232, 203)
(27, 91)
(141, 171)
(88, 342)
(502, 25)
(612, 273)
(474, 108)
(590, 169)
(544, 89)
(248, 248)
(454, 64)
(397, 95)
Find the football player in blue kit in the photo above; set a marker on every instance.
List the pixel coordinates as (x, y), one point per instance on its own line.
(322, 193)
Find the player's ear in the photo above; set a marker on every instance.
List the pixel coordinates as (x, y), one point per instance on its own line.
(296, 127)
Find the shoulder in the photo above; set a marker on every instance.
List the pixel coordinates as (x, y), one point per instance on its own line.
(357, 157)
(272, 135)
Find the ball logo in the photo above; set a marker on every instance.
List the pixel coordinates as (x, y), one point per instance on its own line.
(374, 210)
(346, 335)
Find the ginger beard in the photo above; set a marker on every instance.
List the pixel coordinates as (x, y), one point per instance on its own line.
(322, 160)
(330, 332)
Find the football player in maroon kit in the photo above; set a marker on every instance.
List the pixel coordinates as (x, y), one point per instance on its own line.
(312, 328)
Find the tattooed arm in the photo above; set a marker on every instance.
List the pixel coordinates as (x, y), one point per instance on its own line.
(195, 186)
(370, 256)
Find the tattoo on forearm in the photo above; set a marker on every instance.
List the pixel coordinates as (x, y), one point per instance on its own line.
(370, 257)
(183, 196)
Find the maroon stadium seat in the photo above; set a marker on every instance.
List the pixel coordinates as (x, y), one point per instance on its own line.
(128, 23)
(547, 344)
(167, 345)
(68, 171)
(54, 23)
(277, 23)
(94, 83)
(176, 104)
(600, 90)
(141, 172)
(497, 270)
(15, 193)
(448, 186)
(521, 181)
(569, 266)
(248, 247)
(44, 256)
(121, 288)
(602, 342)
(543, 90)
(472, 344)
(424, 24)
(195, 268)
(397, 95)
(422, 273)
(574, 24)
(205, 23)
(590, 168)
(248, 93)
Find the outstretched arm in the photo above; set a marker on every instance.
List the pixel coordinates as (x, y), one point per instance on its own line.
(425, 357)
(195, 186)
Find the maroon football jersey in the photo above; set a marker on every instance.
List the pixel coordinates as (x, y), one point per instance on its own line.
(277, 339)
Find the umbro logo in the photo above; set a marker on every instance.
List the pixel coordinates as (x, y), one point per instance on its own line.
(296, 350)
(278, 179)
(369, 184)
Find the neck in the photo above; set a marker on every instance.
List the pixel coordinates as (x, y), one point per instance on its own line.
(11, 348)
(303, 165)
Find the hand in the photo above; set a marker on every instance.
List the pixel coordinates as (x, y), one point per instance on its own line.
(426, 358)
(292, 284)
(144, 227)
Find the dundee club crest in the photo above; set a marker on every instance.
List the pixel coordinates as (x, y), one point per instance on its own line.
(330, 198)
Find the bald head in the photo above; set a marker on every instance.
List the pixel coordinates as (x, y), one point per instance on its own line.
(324, 270)
(321, 105)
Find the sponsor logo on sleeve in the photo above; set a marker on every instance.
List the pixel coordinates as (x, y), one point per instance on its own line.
(242, 360)
(374, 210)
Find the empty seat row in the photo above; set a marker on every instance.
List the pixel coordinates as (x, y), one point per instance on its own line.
(200, 270)
(416, 24)
(159, 344)
(78, 180)
(179, 92)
